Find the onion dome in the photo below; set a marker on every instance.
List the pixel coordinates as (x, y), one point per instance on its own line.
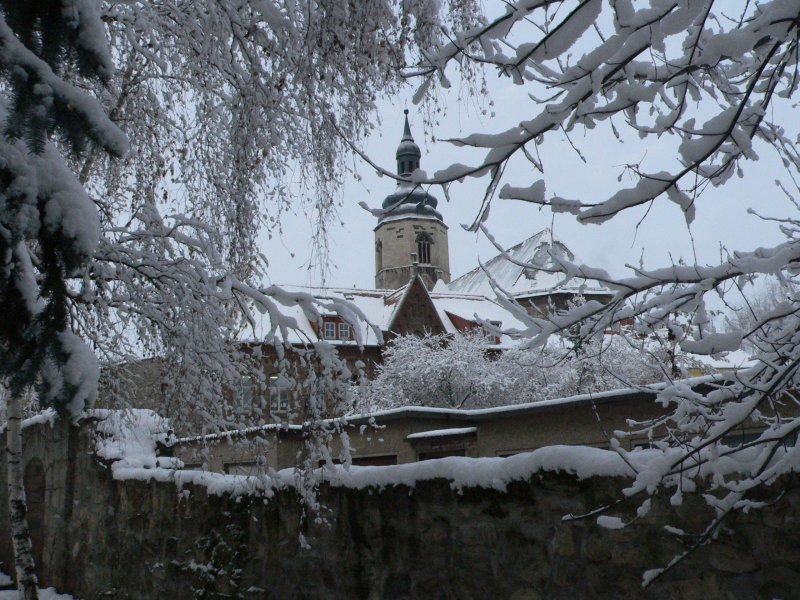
(408, 153)
(409, 198)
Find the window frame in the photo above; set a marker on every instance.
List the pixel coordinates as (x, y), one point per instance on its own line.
(279, 390)
(424, 244)
(245, 394)
(329, 334)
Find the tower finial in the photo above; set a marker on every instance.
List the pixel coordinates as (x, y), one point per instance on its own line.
(407, 131)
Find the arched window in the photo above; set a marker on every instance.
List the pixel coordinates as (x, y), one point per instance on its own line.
(424, 248)
(378, 256)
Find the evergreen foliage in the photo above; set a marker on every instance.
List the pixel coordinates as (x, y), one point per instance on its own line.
(48, 226)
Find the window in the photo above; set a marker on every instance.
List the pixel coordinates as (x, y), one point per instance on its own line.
(507, 453)
(333, 328)
(378, 256)
(441, 454)
(279, 388)
(424, 248)
(194, 466)
(244, 395)
(244, 467)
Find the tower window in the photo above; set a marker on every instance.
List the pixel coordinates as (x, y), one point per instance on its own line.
(379, 255)
(424, 248)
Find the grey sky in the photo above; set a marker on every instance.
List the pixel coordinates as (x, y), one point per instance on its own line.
(721, 213)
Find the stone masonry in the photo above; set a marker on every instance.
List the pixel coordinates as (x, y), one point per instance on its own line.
(103, 538)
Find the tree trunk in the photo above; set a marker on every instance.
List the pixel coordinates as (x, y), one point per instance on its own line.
(17, 509)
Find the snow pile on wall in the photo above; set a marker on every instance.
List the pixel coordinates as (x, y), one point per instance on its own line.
(491, 472)
(46, 416)
(129, 439)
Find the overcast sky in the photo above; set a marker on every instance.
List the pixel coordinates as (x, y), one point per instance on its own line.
(662, 236)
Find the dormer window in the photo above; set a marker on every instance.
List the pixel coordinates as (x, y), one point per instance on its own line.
(334, 328)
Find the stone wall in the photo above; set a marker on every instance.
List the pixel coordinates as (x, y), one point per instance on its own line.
(134, 539)
(396, 241)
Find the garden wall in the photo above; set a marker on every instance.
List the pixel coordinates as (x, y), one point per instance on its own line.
(102, 538)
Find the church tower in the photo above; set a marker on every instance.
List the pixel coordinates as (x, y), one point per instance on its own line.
(411, 234)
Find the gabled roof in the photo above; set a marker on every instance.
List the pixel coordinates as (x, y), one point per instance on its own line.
(416, 284)
(381, 307)
(526, 281)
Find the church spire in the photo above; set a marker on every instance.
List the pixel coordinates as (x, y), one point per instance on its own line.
(408, 153)
(410, 226)
(407, 137)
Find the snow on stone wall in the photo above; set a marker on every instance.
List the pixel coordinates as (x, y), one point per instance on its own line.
(415, 531)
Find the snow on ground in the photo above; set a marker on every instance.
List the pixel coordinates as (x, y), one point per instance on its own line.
(44, 594)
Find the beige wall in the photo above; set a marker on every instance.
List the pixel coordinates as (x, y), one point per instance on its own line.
(506, 435)
(500, 435)
(398, 241)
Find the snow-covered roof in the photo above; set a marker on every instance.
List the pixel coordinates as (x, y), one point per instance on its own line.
(437, 433)
(526, 281)
(379, 307)
(726, 361)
